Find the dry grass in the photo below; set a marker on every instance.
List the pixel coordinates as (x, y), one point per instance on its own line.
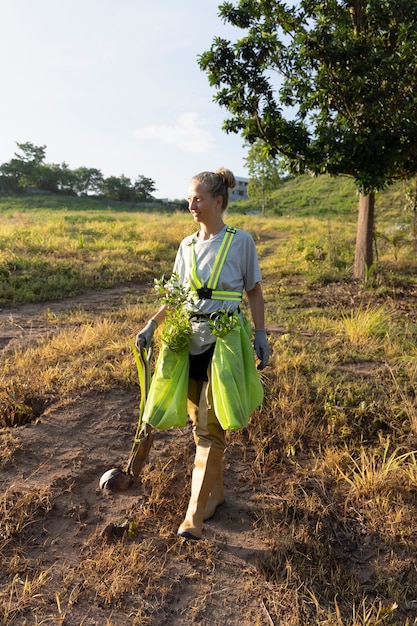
(365, 323)
(331, 458)
(8, 446)
(82, 351)
(20, 509)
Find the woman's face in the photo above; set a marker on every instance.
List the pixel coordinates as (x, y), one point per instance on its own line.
(201, 204)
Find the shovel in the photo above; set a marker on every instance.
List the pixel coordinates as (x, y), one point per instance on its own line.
(143, 440)
(115, 479)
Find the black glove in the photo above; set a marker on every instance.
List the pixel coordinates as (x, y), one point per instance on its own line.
(261, 348)
(145, 336)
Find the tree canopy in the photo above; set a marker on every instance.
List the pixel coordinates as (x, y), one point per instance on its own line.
(266, 173)
(28, 169)
(330, 84)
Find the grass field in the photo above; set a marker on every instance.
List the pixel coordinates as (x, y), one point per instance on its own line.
(334, 446)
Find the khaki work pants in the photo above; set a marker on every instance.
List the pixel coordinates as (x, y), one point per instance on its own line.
(207, 431)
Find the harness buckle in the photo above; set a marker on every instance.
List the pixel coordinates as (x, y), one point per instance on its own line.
(204, 293)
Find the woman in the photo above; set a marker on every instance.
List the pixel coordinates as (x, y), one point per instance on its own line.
(238, 270)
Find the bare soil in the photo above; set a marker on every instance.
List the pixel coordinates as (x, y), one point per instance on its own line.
(89, 558)
(67, 449)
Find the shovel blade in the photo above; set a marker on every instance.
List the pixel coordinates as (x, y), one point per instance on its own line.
(140, 451)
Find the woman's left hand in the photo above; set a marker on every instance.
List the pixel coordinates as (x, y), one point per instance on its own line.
(261, 348)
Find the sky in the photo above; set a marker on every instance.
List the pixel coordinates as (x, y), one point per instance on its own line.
(115, 85)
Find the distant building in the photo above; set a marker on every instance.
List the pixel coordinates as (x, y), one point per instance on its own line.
(240, 192)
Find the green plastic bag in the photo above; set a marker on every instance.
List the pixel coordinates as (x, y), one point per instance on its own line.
(166, 405)
(236, 386)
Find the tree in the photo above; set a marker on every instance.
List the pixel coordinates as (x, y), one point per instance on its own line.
(27, 168)
(144, 188)
(21, 171)
(31, 155)
(47, 177)
(329, 84)
(264, 171)
(9, 177)
(87, 180)
(116, 188)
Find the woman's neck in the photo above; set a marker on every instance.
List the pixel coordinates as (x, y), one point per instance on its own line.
(208, 231)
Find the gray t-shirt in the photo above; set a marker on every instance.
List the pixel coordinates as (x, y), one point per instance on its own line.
(240, 272)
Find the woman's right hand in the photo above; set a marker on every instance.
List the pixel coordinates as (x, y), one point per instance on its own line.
(145, 336)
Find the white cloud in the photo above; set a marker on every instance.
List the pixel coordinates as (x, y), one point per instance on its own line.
(187, 134)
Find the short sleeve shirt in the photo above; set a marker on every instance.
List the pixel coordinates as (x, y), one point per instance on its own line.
(240, 272)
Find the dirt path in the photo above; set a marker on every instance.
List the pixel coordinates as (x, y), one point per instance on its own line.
(29, 321)
(68, 449)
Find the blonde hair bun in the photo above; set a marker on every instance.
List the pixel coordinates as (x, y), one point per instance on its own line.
(227, 176)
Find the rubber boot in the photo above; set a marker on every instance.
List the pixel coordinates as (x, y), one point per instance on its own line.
(216, 496)
(204, 475)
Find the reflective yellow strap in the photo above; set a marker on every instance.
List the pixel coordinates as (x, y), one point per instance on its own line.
(196, 282)
(221, 257)
(235, 296)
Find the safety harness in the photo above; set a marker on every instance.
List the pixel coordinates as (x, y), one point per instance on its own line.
(209, 291)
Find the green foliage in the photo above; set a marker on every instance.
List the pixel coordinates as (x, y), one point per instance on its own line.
(87, 180)
(264, 171)
(171, 291)
(29, 170)
(328, 86)
(176, 332)
(116, 188)
(144, 188)
(222, 323)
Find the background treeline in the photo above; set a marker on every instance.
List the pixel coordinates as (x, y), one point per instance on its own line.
(28, 170)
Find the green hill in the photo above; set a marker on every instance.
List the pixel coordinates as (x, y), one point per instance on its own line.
(303, 196)
(320, 196)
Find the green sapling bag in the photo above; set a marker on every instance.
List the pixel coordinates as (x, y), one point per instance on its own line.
(166, 405)
(236, 386)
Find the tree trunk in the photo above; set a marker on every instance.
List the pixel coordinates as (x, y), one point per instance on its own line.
(364, 236)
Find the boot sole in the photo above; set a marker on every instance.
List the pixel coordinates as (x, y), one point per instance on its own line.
(187, 535)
